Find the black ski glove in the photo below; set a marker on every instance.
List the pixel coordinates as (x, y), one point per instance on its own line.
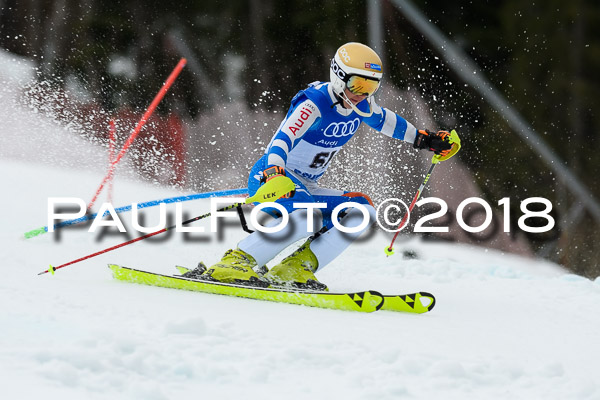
(434, 141)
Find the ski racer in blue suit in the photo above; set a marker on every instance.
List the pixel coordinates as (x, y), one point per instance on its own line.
(321, 120)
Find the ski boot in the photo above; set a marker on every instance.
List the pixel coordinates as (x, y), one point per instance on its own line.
(297, 271)
(236, 266)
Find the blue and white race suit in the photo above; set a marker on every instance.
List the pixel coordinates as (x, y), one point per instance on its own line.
(312, 133)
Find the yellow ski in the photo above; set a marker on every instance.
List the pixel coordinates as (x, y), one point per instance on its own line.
(367, 301)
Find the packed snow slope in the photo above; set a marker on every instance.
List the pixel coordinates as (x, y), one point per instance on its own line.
(503, 327)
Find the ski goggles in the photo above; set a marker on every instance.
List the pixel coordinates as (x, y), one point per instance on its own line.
(360, 85)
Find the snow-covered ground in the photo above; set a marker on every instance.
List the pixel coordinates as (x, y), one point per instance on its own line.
(503, 326)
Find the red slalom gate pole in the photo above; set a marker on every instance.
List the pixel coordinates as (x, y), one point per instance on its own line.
(139, 126)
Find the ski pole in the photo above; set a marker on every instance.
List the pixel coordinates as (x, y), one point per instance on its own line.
(454, 140)
(52, 269)
(159, 96)
(389, 250)
(270, 191)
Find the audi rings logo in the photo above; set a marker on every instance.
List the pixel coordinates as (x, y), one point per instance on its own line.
(341, 129)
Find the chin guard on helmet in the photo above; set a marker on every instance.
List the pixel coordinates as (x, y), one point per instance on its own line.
(354, 108)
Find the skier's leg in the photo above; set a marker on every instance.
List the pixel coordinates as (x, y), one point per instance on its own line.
(298, 269)
(264, 246)
(327, 246)
(237, 265)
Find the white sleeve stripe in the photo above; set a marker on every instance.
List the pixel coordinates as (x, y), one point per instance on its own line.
(389, 124)
(275, 159)
(411, 133)
(281, 143)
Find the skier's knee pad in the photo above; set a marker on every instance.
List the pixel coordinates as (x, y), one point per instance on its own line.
(355, 217)
(359, 197)
(353, 197)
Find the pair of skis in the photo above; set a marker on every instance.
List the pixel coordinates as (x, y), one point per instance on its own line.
(367, 301)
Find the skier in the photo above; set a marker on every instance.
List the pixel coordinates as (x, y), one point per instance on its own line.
(321, 119)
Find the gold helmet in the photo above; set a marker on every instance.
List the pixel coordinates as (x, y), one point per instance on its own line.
(355, 67)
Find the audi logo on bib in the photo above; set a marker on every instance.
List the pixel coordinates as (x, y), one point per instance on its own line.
(341, 129)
